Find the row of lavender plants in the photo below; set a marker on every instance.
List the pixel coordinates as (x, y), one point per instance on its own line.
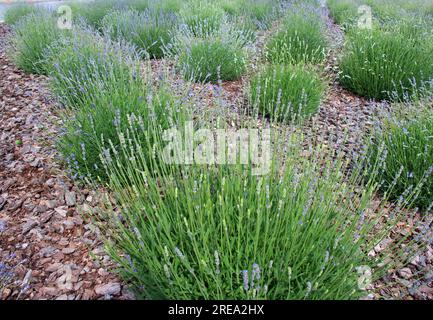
(303, 227)
(391, 60)
(290, 85)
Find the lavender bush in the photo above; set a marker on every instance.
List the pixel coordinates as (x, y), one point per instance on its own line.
(404, 145)
(32, 36)
(219, 55)
(201, 17)
(385, 64)
(301, 231)
(99, 82)
(285, 93)
(150, 30)
(18, 11)
(301, 38)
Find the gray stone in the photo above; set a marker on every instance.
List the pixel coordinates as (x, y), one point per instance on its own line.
(70, 198)
(29, 225)
(68, 250)
(406, 273)
(61, 211)
(111, 288)
(3, 225)
(63, 297)
(51, 204)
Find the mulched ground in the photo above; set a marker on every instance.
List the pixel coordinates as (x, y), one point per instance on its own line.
(55, 254)
(44, 240)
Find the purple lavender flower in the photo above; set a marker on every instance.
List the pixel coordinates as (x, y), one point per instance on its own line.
(2, 225)
(245, 279)
(256, 272)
